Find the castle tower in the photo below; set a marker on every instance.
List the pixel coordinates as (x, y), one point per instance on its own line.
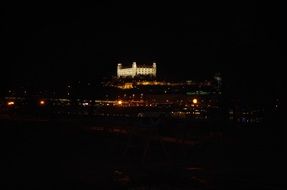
(154, 68)
(134, 69)
(118, 69)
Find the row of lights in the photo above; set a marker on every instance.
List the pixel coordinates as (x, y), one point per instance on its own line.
(43, 102)
(12, 103)
(194, 101)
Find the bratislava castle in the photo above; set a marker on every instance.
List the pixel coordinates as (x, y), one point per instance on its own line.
(136, 70)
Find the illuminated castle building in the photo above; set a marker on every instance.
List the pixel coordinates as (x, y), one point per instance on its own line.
(136, 71)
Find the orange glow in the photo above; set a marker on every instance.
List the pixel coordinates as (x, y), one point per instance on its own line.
(195, 101)
(126, 86)
(10, 103)
(42, 102)
(120, 102)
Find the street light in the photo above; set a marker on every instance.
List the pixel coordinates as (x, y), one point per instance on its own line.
(195, 101)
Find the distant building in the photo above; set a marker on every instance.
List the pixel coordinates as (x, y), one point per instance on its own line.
(136, 70)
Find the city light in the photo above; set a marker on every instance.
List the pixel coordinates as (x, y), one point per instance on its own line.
(120, 102)
(10, 103)
(42, 102)
(195, 101)
(85, 104)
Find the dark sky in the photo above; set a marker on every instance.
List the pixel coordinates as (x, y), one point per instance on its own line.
(48, 43)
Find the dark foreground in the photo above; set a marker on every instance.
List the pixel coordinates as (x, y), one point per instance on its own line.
(44, 153)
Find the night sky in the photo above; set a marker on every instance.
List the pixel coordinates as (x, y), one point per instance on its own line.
(51, 43)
